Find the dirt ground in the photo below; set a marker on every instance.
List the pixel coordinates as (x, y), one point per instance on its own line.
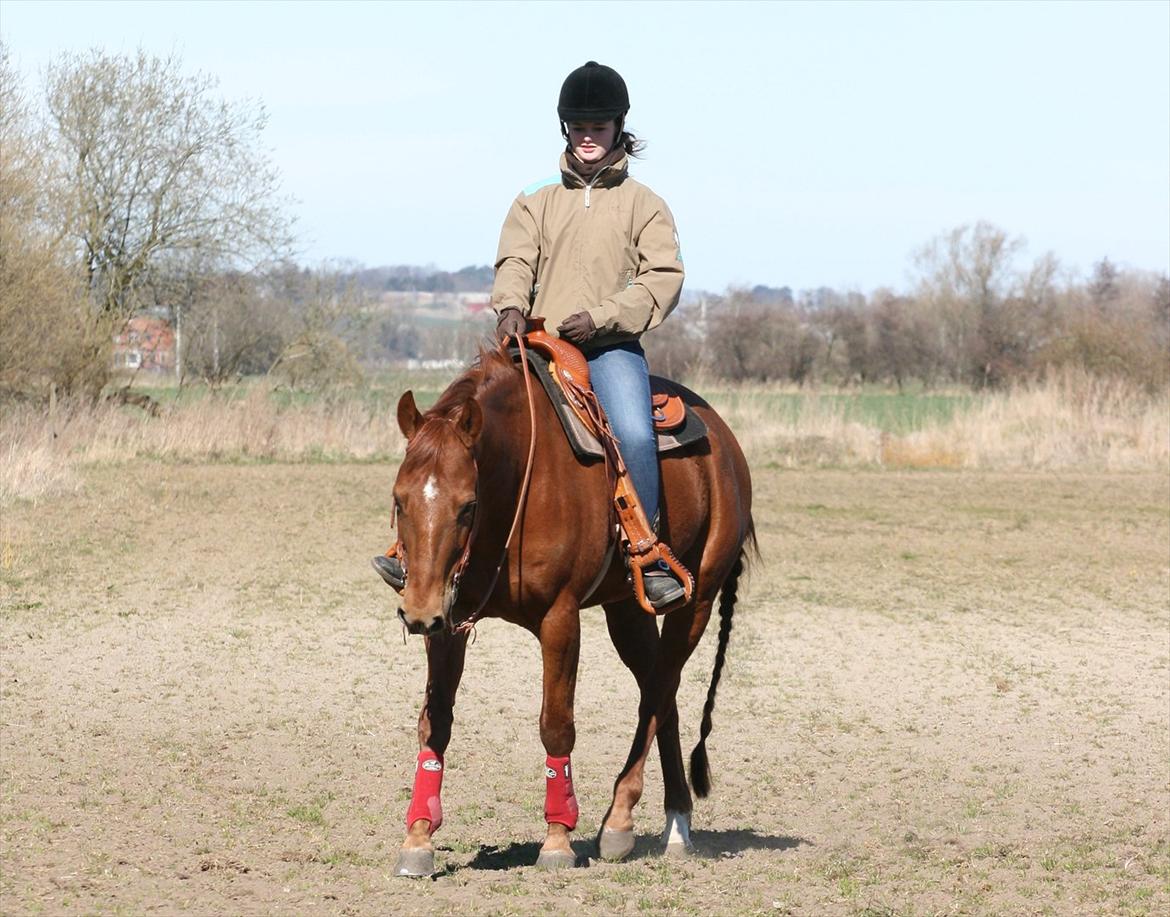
(947, 693)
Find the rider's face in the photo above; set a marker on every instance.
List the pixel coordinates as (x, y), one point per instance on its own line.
(591, 140)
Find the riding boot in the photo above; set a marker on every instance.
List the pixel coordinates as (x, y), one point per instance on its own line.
(662, 586)
(390, 569)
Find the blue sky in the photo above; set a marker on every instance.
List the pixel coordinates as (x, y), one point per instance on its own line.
(800, 144)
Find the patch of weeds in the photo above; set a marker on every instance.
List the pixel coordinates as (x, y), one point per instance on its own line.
(837, 867)
(993, 850)
(310, 813)
(513, 887)
(915, 849)
(1006, 790)
(345, 857)
(474, 812)
(631, 875)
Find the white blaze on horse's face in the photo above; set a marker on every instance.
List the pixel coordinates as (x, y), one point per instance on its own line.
(436, 497)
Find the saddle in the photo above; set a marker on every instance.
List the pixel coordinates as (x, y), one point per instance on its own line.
(675, 421)
(568, 368)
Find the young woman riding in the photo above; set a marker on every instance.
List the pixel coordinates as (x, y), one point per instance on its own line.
(595, 253)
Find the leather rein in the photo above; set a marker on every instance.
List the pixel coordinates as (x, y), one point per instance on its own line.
(468, 624)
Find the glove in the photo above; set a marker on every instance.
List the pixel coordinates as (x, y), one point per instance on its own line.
(577, 328)
(511, 323)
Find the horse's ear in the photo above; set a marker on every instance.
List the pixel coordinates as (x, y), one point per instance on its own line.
(469, 422)
(409, 419)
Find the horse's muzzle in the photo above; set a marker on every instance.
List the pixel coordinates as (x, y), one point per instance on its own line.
(425, 628)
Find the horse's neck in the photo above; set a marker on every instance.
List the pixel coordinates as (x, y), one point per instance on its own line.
(502, 444)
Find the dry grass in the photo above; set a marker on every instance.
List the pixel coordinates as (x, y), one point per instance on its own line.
(41, 450)
(1074, 422)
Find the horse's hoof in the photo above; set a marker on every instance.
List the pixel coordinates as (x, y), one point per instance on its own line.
(415, 864)
(556, 859)
(615, 845)
(677, 836)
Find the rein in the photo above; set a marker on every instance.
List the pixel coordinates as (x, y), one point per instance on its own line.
(468, 623)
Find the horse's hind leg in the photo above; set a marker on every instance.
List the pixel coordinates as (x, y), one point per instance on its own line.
(635, 637)
(677, 836)
(680, 636)
(656, 664)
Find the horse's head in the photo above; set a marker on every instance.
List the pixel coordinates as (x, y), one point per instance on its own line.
(435, 503)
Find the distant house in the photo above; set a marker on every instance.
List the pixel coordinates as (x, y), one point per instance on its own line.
(147, 343)
(475, 303)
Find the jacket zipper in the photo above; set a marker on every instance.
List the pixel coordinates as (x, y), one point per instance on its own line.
(589, 184)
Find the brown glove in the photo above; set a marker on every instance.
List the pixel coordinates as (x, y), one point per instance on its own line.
(511, 323)
(577, 328)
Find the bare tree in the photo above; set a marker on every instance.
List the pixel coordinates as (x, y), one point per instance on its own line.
(1103, 284)
(48, 335)
(327, 308)
(151, 165)
(969, 275)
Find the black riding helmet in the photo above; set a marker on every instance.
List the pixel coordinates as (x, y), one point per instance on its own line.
(593, 92)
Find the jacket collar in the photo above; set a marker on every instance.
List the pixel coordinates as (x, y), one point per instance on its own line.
(613, 174)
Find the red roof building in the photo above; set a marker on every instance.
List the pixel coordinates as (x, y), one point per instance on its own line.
(145, 343)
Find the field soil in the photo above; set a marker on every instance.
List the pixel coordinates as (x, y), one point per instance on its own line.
(946, 693)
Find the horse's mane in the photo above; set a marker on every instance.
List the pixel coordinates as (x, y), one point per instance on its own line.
(488, 366)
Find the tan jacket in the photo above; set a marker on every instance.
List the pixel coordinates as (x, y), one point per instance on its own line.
(609, 248)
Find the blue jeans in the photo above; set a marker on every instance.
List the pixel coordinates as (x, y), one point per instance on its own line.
(621, 380)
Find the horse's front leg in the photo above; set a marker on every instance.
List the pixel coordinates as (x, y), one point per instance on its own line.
(560, 644)
(445, 655)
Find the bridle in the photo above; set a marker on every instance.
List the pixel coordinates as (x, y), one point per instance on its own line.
(467, 624)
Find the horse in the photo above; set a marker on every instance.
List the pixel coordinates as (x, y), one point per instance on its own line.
(463, 478)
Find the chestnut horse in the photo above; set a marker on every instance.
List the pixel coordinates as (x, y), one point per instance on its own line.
(460, 484)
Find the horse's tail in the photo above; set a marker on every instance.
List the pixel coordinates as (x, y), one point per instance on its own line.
(700, 767)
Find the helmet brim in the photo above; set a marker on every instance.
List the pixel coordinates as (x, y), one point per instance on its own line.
(590, 114)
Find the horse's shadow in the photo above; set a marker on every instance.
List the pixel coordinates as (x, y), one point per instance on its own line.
(707, 845)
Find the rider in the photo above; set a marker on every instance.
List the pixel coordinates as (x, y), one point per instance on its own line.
(596, 254)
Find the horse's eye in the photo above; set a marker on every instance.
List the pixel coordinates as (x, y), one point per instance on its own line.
(468, 512)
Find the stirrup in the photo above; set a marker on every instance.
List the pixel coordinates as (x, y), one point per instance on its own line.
(663, 589)
(655, 559)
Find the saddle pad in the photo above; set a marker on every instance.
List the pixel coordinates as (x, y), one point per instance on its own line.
(584, 443)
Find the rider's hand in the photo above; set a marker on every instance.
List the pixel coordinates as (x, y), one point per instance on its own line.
(577, 328)
(511, 323)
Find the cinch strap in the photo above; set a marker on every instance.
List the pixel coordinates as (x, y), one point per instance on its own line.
(560, 803)
(428, 784)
